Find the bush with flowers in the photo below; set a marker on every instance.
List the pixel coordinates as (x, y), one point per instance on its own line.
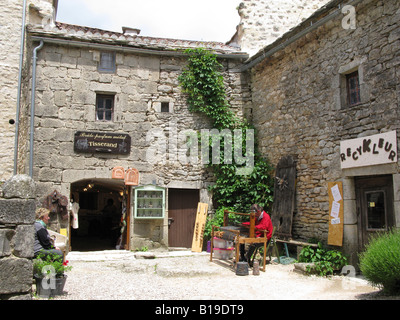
(45, 264)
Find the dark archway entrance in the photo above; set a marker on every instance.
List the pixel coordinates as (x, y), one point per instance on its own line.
(101, 205)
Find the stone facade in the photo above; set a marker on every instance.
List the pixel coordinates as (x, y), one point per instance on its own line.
(10, 22)
(17, 215)
(294, 90)
(299, 110)
(68, 82)
(10, 33)
(264, 21)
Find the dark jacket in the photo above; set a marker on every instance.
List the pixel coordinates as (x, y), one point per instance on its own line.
(42, 238)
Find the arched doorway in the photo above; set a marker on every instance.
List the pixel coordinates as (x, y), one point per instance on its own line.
(102, 210)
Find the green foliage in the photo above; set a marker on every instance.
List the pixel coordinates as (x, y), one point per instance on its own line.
(325, 261)
(203, 83)
(52, 260)
(380, 262)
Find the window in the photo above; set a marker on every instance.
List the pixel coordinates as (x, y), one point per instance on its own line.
(353, 89)
(104, 107)
(107, 62)
(164, 106)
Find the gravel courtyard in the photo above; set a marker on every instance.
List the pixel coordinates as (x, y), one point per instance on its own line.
(186, 276)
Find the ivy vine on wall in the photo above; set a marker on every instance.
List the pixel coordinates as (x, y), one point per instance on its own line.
(203, 83)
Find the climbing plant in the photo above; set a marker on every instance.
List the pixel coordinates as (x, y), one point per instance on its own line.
(203, 83)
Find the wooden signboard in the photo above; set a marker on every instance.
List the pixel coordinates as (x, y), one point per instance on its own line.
(103, 142)
(335, 234)
(201, 216)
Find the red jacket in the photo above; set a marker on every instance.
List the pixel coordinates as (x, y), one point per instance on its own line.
(264, 224)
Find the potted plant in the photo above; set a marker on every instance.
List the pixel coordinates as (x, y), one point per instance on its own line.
(49, 274)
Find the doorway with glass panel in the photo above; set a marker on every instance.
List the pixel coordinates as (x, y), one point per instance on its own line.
(375, 210)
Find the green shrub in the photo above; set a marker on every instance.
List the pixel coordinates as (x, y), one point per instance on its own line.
(380, 262)
(325, 261)
(53, 261)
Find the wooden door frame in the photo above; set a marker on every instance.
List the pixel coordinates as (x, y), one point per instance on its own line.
(367, 184)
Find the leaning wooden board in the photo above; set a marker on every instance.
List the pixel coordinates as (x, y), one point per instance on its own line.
(201, 216)
(335, 234)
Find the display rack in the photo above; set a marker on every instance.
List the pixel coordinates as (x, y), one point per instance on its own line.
(149, 202)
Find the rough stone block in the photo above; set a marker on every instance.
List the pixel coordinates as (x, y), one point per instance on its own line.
(19, 186)
(23, 241)
(16, 211)
(15, 275)
(6, 236)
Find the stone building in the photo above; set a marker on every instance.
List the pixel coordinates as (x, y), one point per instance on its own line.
(327, 93)
(264, 21)
(93, 85)
(319, 76)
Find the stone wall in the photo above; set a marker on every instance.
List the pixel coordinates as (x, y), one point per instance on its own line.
(17, 216)
(39, 11)
(67, 83)
(264, 21)
(10, 33)
(299, 111)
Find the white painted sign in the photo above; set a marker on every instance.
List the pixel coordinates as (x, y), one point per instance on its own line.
(367, 151)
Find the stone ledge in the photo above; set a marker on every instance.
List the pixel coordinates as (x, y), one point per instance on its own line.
(17, 211)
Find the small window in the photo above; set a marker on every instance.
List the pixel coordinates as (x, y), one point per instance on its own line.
(107, 62)
(164, 106)
(104, 107)
(353, 89)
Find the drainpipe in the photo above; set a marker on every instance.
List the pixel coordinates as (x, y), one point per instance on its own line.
(35, 51)
(21, 60)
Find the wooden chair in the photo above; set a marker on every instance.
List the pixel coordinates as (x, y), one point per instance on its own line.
(238, 239)
(270, 245)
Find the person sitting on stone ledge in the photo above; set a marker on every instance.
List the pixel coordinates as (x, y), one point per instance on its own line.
(43, 243)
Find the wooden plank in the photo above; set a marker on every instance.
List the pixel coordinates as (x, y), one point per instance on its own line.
(336, 217)
(297, 243)
(201, 216)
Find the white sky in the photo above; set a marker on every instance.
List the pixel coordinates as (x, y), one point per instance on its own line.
(204, 20)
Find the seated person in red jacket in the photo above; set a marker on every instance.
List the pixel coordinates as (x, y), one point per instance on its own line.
(262, 222)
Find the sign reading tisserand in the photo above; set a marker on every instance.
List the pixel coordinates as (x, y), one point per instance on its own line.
(105, 142)
(367, 151)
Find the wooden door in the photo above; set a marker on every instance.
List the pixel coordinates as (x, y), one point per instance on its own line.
(182, 207)
(284, 197)
(374, 206)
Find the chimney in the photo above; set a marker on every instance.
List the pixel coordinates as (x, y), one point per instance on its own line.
(130, 31)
